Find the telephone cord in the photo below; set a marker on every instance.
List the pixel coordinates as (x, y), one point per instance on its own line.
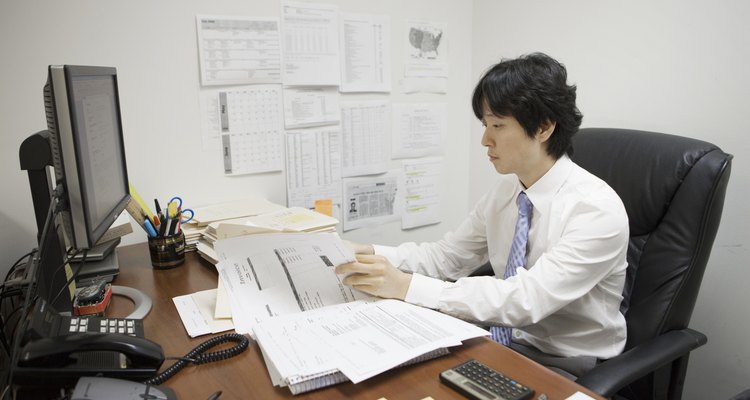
(197, 357)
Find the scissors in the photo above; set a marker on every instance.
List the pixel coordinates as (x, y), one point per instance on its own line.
(186, 214)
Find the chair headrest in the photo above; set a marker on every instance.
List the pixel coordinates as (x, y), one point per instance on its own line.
(635, 163)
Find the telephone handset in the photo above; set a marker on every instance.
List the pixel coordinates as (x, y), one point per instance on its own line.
(69, 351)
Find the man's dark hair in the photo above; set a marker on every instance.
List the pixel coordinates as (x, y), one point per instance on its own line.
(533, 89)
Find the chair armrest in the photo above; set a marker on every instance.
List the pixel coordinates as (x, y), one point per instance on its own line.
(612, 375)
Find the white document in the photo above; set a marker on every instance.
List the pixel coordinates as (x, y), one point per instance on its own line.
(223, 309)
(197, 313)
(314, 106)
(372, 200)
(360, 340)
(365, 129)
(421, 192)
(418, 130)
(238, 50)
(313, 167)
(311, 46)
(365, 53)
(426, 49)
(275, 274)
(251, 129)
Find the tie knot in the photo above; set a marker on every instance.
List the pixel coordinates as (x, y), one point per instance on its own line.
(524, 204)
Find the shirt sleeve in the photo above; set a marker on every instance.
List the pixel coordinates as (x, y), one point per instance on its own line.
(593, 240)
(456, 255)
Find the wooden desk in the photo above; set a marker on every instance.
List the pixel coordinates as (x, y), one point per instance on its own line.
(245, 376)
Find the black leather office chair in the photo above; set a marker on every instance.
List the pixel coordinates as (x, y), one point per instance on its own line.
(673, 189)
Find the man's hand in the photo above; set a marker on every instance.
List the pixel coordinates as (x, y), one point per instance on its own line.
(359, 248)
(375, 275)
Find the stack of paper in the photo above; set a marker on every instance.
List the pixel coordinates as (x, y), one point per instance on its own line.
(198, 234)
(354, 341)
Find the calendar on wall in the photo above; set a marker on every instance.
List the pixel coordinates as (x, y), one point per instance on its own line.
(251, 129)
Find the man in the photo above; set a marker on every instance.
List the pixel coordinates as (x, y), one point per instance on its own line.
(561, 288)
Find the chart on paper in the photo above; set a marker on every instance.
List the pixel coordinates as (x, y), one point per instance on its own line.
(251, 133)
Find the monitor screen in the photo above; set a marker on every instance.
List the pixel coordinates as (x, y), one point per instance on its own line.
(88, 149)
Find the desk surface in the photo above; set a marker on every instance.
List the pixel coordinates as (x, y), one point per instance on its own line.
(245, 376)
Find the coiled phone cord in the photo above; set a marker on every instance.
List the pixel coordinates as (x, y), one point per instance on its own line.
(197, 357)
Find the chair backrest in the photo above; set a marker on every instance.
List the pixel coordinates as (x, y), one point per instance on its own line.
(673, 189)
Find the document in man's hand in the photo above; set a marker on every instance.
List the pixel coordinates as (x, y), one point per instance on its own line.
(275, 274)
(354, 341)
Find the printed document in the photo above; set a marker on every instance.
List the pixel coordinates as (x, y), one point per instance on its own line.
(364, 135)
(311, 46)
(421, 192)
(314, 106)
(251, 129)
(418, 130)
(365, 53)
(426, 49)
(313, 167)
(359, 339)
(238, 50)
(372, 200)
(275, 274)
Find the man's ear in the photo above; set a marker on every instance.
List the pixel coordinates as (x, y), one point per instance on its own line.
(545, 130)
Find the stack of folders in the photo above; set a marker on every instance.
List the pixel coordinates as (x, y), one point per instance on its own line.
(286, 220)
(195, 230)
(354, 341)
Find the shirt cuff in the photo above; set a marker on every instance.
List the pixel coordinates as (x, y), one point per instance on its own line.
(391, 253)
(425, 291)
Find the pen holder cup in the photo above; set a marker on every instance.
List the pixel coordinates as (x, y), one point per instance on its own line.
(167, 251)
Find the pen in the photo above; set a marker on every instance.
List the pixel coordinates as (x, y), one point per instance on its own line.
(149, 228)
(163, 226)
(157, 216)
(172, 226)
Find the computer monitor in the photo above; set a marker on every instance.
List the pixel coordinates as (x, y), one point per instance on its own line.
(88, 183)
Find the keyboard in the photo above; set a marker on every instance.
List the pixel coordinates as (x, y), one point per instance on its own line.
(480, 382)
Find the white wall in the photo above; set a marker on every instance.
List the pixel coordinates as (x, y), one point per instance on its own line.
(154, 47)
(672, 66)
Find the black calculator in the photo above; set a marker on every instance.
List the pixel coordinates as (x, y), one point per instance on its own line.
(478, 381)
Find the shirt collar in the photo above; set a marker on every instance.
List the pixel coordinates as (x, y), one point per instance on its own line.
(542, 191)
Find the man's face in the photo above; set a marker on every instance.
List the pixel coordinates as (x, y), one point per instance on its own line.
(509, 148)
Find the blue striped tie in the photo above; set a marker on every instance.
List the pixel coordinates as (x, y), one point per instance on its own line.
(517, 257)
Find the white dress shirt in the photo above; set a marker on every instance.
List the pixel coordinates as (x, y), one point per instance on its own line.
(566, 302)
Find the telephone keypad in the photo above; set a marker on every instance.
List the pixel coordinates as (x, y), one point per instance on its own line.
(124, 326)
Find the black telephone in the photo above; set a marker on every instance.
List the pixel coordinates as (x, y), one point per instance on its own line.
(60, 349)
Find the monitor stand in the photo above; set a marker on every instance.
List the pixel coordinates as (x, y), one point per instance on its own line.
(106, 267)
